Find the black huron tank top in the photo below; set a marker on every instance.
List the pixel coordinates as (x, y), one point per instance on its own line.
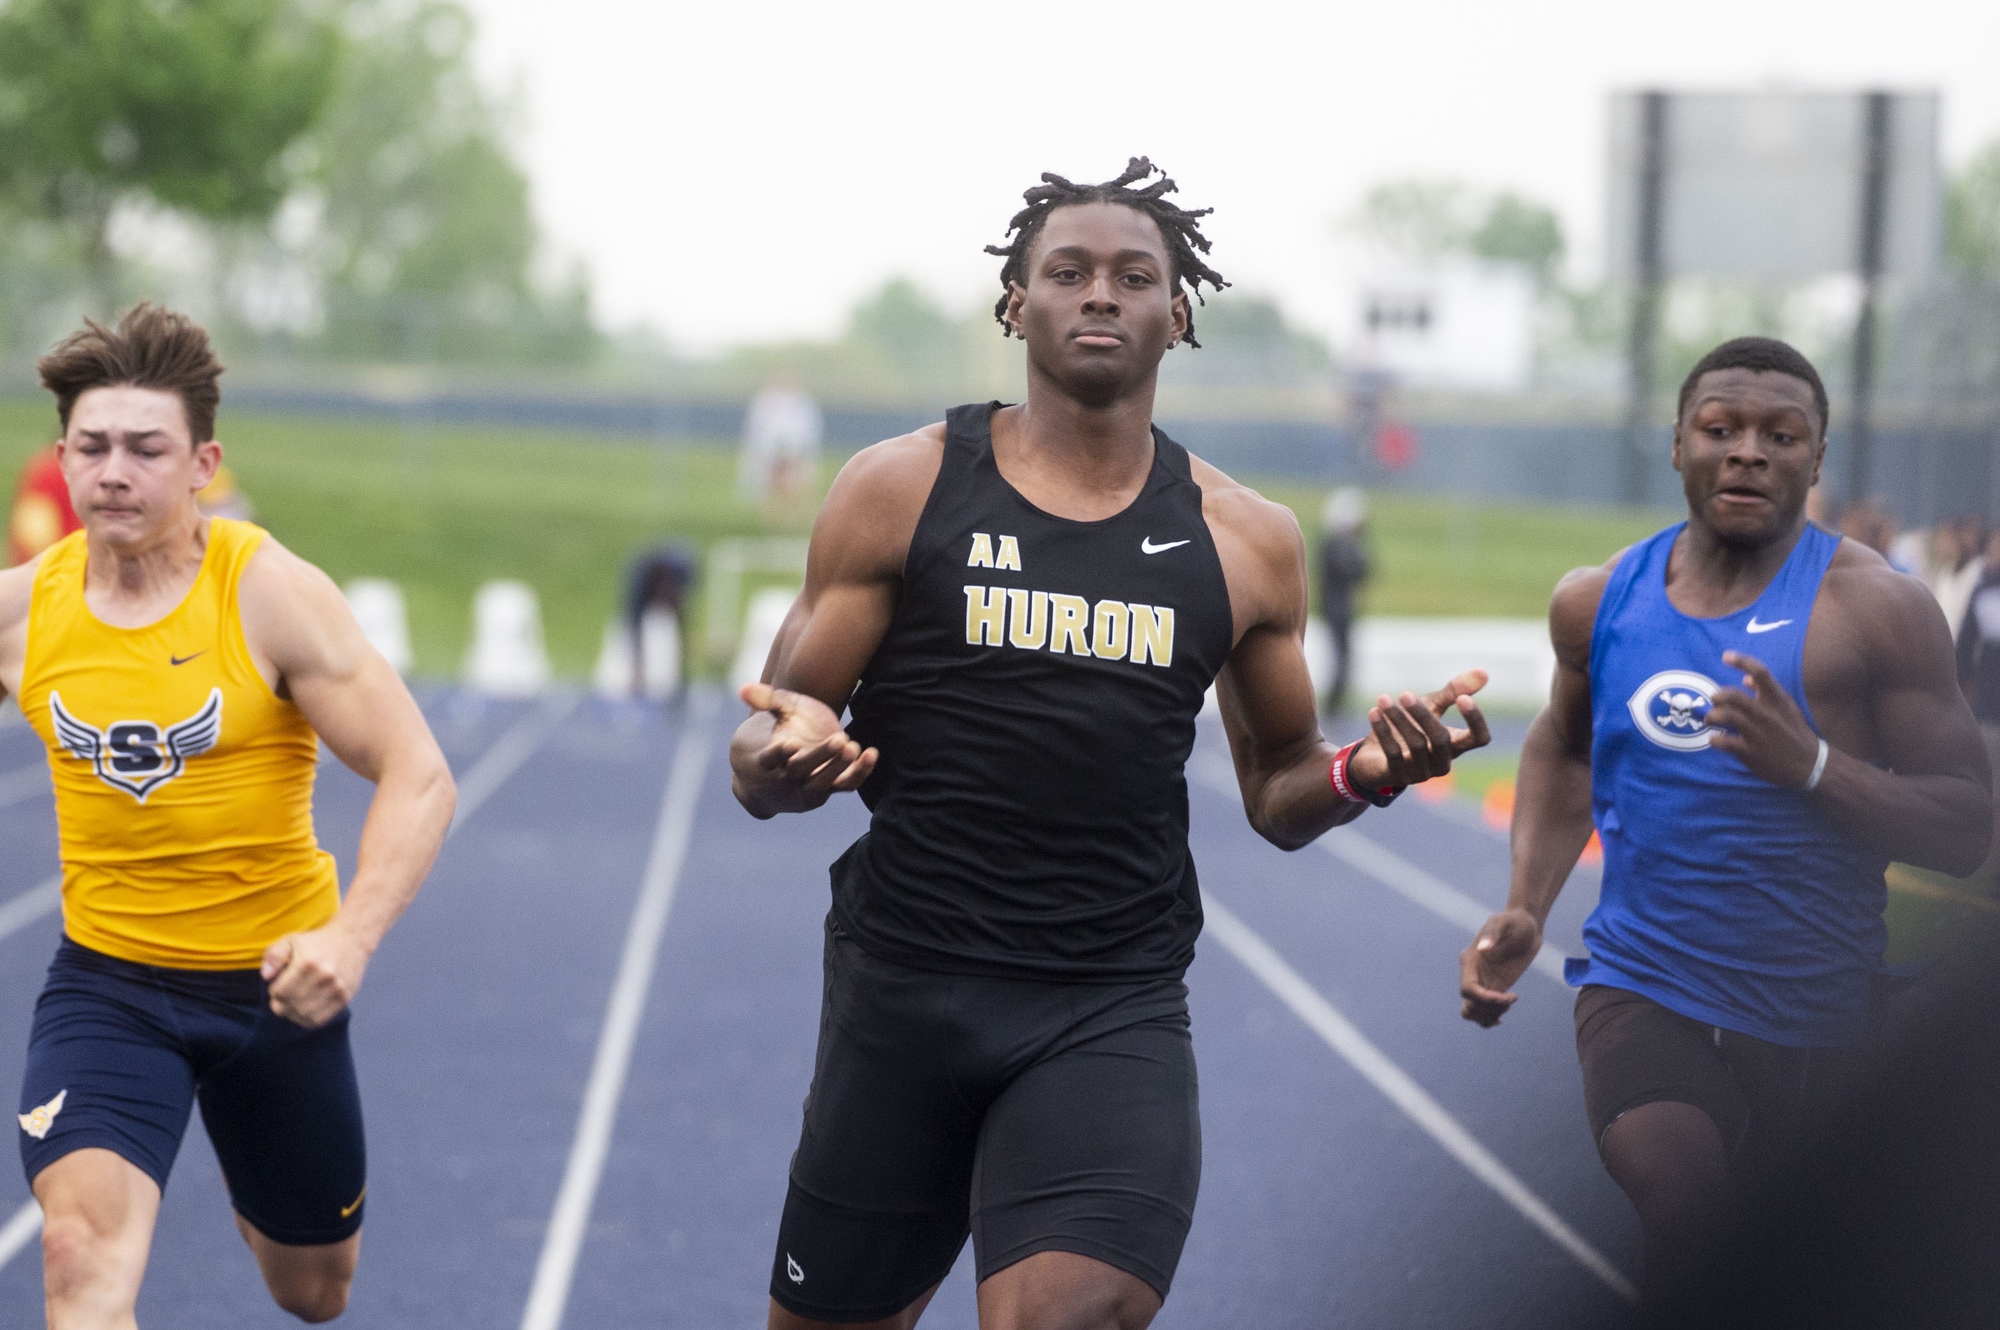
(1034, 701)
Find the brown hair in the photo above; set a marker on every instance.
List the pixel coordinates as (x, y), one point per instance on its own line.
(152, 347)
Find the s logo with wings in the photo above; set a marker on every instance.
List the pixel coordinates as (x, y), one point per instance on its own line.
(133, 755)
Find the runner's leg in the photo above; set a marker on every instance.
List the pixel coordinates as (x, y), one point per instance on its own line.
(97, 1228)
(904, 1320)
(309, 1282)
(1669, 1159)
(1060, 1290)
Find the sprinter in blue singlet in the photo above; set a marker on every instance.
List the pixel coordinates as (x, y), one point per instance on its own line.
(1757, 716)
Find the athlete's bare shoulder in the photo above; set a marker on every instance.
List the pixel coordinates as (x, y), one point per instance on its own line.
(871, 510)
(294, 617)
(1573, 609)
(1865, 604)
(1260, 545)
(17, 585)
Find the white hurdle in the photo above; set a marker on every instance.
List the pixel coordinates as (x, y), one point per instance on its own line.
(378, 607)
(507, 657)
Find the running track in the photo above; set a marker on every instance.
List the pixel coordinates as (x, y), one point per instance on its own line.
(584, 1049)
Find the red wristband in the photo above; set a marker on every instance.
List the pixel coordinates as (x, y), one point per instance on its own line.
(1344, 786)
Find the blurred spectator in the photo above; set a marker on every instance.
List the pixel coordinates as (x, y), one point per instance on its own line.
(1343, 567)
(1866, 521)
(42, 514)
(1957, 563)
(1979, 661)
(779, 467)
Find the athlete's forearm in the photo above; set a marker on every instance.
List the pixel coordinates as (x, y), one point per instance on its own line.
(1940, 822)
(1551, 819)
(414, 801)
(1297, 804)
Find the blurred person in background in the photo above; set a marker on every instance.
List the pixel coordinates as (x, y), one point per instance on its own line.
(658, 578)
(1979, 665)
(1343, 567)
(42, 514)
(778, 469)
(1867, 522)
(1738, 939)
(1957, 563)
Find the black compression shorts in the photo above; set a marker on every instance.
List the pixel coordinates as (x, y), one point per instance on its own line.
(1036, 1116)
(1763, 1097)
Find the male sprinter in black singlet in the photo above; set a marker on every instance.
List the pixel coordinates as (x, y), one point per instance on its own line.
(1746, 828)
(1033, 600)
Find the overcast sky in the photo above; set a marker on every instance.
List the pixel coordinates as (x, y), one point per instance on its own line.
(746, 171)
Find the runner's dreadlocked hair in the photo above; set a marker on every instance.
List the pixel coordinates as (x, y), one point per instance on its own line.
(1179, 227)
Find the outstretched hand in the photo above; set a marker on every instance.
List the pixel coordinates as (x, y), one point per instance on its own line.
(1489, 968)
(1762, 726)
(1410, 741)
(804, 759)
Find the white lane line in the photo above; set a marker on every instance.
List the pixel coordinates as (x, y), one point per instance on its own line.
(20, 911)
(1368, 856)
(507, 754)
(19, 1231)
(1341, 1035)
(23, 783)
(549, 1295)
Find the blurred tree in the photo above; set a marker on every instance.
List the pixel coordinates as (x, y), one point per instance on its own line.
(426, 237)
(1246, 341)
(1516, 230)
(1972, 216)
(1423, 219)
(907, 327)
(191, 104)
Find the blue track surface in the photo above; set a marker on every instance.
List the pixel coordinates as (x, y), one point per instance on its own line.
(1322, 1203)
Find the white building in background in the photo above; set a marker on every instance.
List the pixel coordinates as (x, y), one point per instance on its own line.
(1452, 323)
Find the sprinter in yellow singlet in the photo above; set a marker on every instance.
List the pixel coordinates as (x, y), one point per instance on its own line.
(181, 670)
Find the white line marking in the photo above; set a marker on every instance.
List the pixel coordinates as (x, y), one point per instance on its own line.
(1343, 1038)
(24, 909)
(507, 754)
(1365, 854)
(24, 783)
(20, 1231)
(567, 1222)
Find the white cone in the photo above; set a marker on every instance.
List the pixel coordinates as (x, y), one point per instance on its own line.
(377, 604)
(507, 658)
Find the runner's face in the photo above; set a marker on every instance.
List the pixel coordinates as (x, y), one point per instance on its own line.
(1748, 449)
(132, 469)
(1099, 308)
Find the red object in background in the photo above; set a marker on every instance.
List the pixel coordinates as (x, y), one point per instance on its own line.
(41, 514)
(1396, 446)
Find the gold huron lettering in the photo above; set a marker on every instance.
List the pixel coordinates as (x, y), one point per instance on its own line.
(1010, 554)
(1028, 625)
(985, 615)
(1152, 634)
(1069, 629)
(1107, 629)
(982, 551)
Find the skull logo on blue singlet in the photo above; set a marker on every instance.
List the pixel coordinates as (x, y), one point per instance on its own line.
(1671, 709)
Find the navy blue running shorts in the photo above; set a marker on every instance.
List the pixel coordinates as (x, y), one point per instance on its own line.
(119, 1052)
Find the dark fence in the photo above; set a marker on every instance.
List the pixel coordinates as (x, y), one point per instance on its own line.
(1921, 473)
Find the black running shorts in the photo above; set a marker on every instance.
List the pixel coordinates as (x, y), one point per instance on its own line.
(119, 1052)
(1036, 1116)
(1761, 1096)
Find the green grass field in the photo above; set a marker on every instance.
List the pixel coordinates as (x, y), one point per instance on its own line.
(442, 509)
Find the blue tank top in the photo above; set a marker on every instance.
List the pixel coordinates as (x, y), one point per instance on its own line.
(1733, 901)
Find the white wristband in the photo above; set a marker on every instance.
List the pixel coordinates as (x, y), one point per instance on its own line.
(1819, 768)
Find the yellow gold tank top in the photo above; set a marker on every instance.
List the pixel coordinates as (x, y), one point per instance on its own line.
(183, 783)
